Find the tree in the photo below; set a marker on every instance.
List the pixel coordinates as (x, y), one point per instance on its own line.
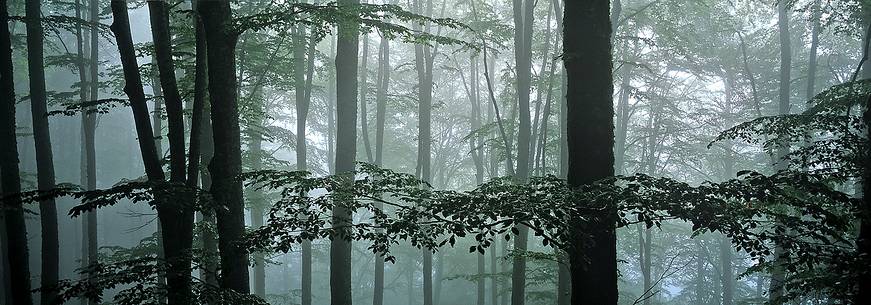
(226, 164)
(423, 62)
(590, 138)
(776, 289)
(176, 220)
(10, 181)
(346, 149)
(44, 157)
(383, 85)
(523, 21)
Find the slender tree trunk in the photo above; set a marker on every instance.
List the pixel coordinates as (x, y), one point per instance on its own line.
(423, 60)
(364, 93)
(44, 157)
(815, 43)
(587, 58)
(863, 241)
(346, 151)
(331, 113)
(257, 203)
(10, 181)
(303, 101)
(383, 85)
(778, 275)
(523, 21)
(475, 144)
(90, 128)
(226, 164)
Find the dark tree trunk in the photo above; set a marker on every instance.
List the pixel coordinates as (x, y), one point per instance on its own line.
(346, 151)
(44, 159)
(863, 241)
(10, 181)
(176, 221)
(226, 164)
(590, 130)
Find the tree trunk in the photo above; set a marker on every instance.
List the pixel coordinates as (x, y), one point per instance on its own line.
(226, 164)
(778, 275)
(90, 127)
(364, 92)
(380, 116)
(176, 221)
(423, 60)
(44, 158)
(523, 21)
(10, 181)
(812, 57)
(587, 58)
(303, 102)
(346, 151)
(863, 241)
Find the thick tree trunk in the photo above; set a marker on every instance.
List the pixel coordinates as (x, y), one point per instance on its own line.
(346, 151)
(226, 164)
(10, 181)
(590, 130)
(44, 158)
(176, 221)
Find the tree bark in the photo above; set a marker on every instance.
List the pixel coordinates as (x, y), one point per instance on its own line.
(176, 221)
(778, 275)
(423, 60)
(346, 151)
(226, 164)
(303, 102)
(590, 131)
(10, 181)
(89, 121)
(380, 117)
(523, 21)
(44, 157)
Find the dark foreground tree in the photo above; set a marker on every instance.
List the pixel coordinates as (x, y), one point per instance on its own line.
(10, 181)
(44, 158)
(590, 131)
(221, 39)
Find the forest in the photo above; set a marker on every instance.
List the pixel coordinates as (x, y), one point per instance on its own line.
(435, 152)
